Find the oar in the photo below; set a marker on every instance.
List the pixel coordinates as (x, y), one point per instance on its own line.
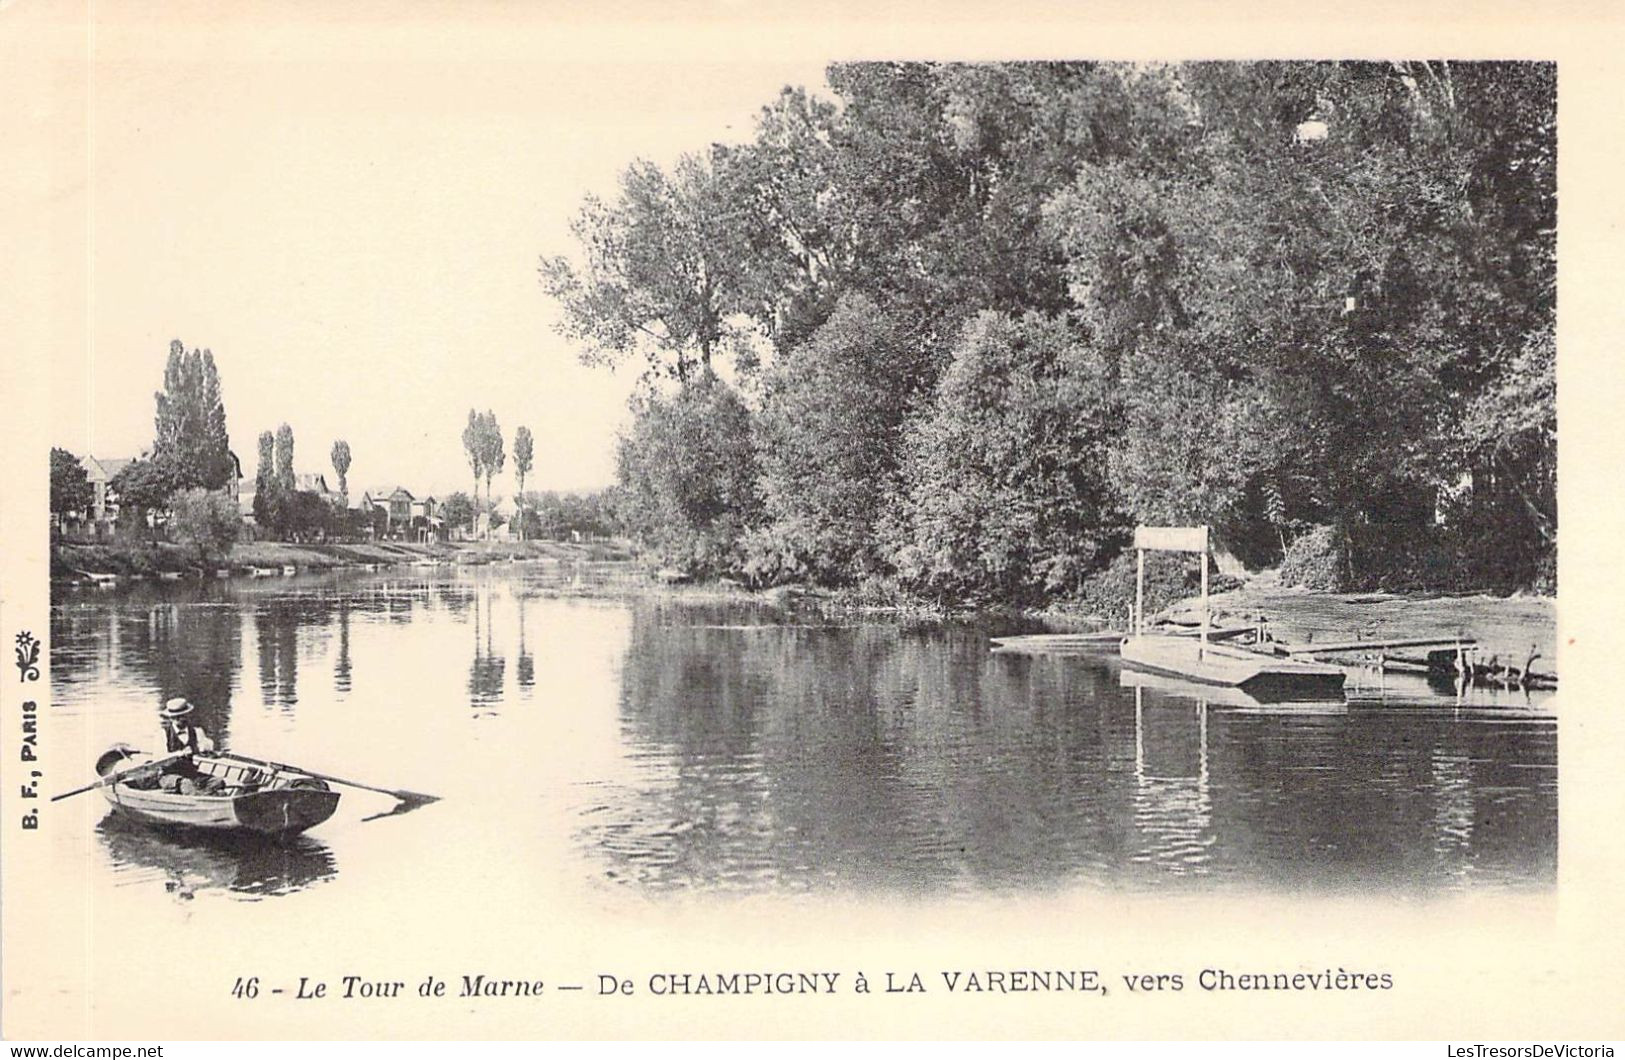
(124, 774)
(411, 799)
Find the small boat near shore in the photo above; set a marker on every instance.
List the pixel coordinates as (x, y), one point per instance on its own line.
(230, 794)
(1221, 664)
(1283, 700)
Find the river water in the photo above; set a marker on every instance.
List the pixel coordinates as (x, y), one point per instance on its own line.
(651, 744)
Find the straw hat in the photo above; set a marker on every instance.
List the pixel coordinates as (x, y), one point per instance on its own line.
(175, 708)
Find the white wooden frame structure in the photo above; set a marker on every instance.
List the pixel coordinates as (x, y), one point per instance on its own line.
(1168, 539)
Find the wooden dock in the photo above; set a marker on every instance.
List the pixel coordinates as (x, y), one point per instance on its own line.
(1044, 643)
(1378, 645)
(1102, 641)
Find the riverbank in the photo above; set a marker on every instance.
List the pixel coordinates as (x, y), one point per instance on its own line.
(1508, 628)
(72, 561)
(1505, 627)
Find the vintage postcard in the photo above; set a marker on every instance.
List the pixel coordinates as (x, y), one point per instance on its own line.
(671, 522)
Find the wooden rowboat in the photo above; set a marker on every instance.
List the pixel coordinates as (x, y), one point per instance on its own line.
(252, 798)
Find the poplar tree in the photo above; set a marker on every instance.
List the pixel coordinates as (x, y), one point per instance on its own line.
(474, 448)
(341, 464)
(284, 459)
(265, 481)
(523, 453)
(190, 438)
(491, 455)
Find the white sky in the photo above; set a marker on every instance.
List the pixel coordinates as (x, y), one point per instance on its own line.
(350, 216)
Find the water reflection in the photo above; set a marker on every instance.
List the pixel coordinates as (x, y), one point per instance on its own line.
(190, 863)
(527, 662)
(341, 665)
(866, 757)
(276, 632)
(488, 668)
(1173, 808)
(190, 651)
(726, 746)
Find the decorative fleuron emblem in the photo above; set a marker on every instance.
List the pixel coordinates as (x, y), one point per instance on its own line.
(28, 656)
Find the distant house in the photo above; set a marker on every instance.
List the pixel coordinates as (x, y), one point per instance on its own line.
(234, 485)
(398, 504)
(508, 513)
(316, 482)
(100, 472)
(427, 525)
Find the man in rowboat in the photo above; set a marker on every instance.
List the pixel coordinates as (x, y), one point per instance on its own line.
(180, 734)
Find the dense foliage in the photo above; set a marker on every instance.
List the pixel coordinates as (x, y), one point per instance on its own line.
(830, 440)
(560, 516)
(204, 520)
(964, 325)
(1006, 488)
(143, 488)
(458, 510)
(70, 485)
(688, 468)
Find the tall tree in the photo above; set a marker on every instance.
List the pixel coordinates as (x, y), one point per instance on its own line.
(190, 423)
(265, 485)
(659, 271)
(474, 449)
(284, 459)
(341, 464)
(491, 455)
(283, 491)
(523, 453)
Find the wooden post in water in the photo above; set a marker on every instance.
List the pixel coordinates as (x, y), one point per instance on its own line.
(1202, 651)
(1139, 592)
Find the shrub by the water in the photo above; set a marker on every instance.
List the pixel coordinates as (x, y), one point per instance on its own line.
(1169, 578)
(1314, 561)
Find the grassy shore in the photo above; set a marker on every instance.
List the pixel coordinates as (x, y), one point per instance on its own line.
(70, 560)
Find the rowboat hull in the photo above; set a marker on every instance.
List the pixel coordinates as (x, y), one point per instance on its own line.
(278, 812)
(1253, 698)
(1230, 667)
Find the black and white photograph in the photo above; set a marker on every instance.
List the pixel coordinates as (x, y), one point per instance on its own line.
(549, 525)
